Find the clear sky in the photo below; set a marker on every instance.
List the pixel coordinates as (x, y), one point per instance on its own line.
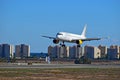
(24, 21)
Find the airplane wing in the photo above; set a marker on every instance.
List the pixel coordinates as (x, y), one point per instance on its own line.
(49, 37)
(90, 39)
(87, 39)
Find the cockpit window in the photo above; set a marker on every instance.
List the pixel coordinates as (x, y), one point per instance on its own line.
(59, 34)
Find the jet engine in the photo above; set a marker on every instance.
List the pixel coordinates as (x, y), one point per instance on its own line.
(55, 41)
(79, 41)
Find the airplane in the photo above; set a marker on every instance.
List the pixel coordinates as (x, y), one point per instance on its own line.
(72, 38)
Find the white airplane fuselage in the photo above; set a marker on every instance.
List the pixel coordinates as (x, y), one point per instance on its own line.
(64, 36)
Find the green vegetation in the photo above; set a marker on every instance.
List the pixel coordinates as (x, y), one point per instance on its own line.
(60, 74)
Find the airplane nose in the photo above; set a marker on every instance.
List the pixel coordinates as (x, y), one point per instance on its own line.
(58, 36)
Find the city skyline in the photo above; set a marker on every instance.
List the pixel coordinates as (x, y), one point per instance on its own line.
(72, 52)
(91, 52)
(29, 46)
(24, 21)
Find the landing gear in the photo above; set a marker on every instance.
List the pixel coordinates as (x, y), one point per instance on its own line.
(62, 44)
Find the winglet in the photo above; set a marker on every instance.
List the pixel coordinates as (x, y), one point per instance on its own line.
(84, 30)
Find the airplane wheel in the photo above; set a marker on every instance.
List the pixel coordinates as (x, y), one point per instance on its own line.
(63, 45)
(60, 44)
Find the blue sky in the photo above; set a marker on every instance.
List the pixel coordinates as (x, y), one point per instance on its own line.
(24, 21)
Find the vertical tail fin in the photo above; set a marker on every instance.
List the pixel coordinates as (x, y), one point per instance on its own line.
(84, 30)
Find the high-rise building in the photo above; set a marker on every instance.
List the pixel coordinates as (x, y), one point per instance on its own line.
(79, 52)
(0, 51)
(25, 50)
(64, 52)
(119, 52)
(53, 51)
(11, 51)
(72, 52)
(50, 48)
(22, 51)
(92, 52)
(6, 51)
(115, 47)
(103, 50)
(76, 52)
(113, 52)
(58, 51)
(18, 51)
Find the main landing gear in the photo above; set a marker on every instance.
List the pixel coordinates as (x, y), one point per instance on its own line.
(62, 44)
